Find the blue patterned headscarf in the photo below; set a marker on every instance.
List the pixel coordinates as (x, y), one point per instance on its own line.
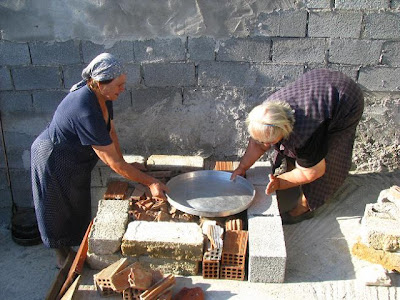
(103, 67)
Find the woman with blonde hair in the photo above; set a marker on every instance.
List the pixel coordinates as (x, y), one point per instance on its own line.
(310, 123)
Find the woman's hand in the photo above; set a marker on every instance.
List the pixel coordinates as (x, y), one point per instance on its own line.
(273, 185)
(239, 171)
(158, 190)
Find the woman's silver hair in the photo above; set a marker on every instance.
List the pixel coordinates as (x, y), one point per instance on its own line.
(270, 120)
(103, 67)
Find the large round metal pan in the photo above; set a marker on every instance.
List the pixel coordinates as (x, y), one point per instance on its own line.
(210, 193)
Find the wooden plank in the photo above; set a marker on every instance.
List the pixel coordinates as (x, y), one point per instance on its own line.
(60, 279)
(71, 290)
(77, 265)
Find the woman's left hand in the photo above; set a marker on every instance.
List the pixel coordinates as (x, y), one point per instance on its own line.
(273, 185)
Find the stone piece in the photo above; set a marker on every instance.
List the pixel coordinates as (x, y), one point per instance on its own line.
(179, 241)
(374, 275)
(379, 227)
(171, 265)
(389, 260)
(133, 276)
(109, 226)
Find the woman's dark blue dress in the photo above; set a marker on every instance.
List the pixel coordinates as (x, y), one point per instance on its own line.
(61, 163)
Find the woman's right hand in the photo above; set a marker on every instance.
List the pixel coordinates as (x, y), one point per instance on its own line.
(240, 171)
(158, 190)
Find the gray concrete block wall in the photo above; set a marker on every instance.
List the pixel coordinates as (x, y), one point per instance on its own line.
(190, 94)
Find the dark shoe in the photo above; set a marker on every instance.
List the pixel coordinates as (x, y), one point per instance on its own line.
(288, 219)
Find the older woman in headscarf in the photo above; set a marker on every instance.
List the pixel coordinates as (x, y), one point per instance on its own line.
(64, 154)
(311, 124)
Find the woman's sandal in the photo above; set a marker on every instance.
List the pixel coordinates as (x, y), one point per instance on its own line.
(289, 219)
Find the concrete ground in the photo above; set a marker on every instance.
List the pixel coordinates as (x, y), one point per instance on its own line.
(319, 261)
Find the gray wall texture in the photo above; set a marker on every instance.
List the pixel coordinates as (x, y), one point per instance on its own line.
(195, 69)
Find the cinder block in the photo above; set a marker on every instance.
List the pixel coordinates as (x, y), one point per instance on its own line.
(72, 74)
(216, 74)
(123, 50)
(44, 53)
(351, 71)
(18, 146)
(247, 50)
(267, 251)
(143, 99)
(133, 76)
(361, 4)
(378, 23)
(299, 50)
(47, 101)
(175, 162)
(160, 50)
(32, 78)
(391, 54)
(108, 227)
(15, 101)
(202, 48)
(169, 74)
(258, 173)
(380, 79)
(335, 24)
(12, 54)
(273, 75)
(282, 23)
(355, 52)
(5, 79)
(318, 3)
(179, 241)
(123, 103)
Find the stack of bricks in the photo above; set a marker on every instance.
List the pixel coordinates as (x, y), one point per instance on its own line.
(234, 255)
(133, 281)
(212, 256)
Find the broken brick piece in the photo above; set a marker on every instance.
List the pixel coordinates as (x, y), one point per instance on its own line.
(235, 247)
(133, 276)
(185, 293)
(116, 190)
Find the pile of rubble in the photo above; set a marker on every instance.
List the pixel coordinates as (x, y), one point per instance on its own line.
(379, 241)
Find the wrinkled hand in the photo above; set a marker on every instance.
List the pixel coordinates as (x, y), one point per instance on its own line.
(158, 190)
(238, 172)
(273, 185)
(139, 166)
